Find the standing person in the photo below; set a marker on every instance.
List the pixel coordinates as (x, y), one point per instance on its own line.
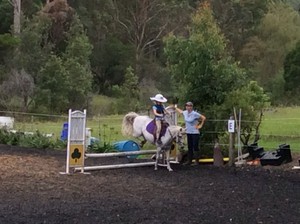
(193, 122)
(159, 112)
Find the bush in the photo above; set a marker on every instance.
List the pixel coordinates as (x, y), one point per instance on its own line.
(32, 140)
(101, 148)
(102, 105)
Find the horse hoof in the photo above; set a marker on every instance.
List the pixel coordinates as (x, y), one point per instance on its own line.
(170, 170)
(155, 168)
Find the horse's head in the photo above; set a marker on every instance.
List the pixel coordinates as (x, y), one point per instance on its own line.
(178, 135)
(180, 139)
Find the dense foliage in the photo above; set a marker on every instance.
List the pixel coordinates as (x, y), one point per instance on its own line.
(292, 73)
(209, 76)
(30, 140)
(69, 52)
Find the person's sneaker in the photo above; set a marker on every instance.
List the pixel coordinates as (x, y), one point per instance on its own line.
(159, 142)
(187, 163)
(195, 163)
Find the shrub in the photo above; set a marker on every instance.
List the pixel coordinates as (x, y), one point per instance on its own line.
(32, 140)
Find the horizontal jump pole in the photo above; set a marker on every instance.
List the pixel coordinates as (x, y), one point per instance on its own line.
(105, 167)
(111, 154)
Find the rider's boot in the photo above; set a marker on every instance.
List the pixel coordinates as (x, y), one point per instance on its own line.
(159, 141)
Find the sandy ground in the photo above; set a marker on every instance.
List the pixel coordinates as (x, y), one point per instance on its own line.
(33, 191)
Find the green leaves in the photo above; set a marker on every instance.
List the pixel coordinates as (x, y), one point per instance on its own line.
(53, 85)
(277, 35)
(130, 92)
(292, 73)
(200, 64)
(62, 74)
(207, 75)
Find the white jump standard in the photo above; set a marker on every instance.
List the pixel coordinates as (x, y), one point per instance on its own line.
(76, 140)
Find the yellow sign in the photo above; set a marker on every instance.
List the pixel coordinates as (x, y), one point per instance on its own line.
(76, 155)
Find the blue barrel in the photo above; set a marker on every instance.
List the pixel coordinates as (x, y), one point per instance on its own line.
(127, 146)
(64, 132)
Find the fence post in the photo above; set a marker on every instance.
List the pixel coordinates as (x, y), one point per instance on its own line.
(231, 130)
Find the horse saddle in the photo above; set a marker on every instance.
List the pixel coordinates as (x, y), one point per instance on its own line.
(151, 128)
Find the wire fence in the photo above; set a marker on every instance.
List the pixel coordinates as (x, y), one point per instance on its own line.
(273, 132)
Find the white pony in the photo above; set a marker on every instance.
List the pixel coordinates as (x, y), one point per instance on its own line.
(138, 126)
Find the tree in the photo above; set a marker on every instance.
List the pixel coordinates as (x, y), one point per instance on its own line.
(238, 20)
(277, 34)
(111, 55)
(145, 22)
(7, 44)
(127, 33)
(251, 99)
(292, 74)
(77, 65)
(65, 80)
(17, 16)
(130, 92)
(34, 49)
(202, 69)
(20, 85)
(6, 16)
(205, 72)
(52, 86)
(59, 64)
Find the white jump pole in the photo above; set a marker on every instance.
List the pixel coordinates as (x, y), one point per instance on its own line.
(112, 154)
(117, 154)
(116, 166)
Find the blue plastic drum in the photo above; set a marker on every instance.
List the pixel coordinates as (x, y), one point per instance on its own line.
(127, 146)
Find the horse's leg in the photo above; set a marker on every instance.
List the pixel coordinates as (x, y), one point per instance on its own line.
(143, 142)
(157, 157)
(168, 159)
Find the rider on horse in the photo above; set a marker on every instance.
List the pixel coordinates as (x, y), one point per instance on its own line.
(159, 112)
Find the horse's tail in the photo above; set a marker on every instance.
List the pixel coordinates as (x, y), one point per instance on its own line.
(127, 123)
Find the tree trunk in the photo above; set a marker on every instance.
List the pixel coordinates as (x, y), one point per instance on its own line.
(17, 16)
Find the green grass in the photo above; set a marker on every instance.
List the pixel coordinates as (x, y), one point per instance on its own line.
(108, 128)
(281, 125)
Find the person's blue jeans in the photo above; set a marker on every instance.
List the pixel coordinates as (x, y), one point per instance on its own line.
(193, 143)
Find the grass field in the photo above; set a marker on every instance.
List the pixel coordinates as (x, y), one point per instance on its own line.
(280, 125)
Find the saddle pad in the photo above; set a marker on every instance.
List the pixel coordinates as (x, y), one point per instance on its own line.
(152, 126)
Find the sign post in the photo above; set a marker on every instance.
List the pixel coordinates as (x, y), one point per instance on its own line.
(231, 130)
(231, 126)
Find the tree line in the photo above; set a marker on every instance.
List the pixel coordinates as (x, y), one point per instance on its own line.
(217, 53)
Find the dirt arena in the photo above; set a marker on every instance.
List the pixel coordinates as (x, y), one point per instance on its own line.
(33, 191)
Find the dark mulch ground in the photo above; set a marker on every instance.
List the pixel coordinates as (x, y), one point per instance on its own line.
(33, 191)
